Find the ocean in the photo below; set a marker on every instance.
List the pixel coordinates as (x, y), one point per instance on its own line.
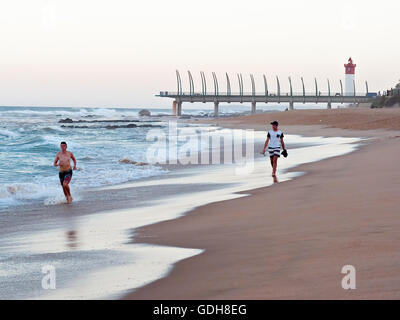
(99, 138)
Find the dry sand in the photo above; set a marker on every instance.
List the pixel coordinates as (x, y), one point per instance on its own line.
(291, 240)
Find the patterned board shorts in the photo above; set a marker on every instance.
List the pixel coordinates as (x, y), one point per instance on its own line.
(274, 152)
(65, 176)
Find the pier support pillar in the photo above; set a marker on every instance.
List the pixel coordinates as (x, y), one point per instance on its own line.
(174, 108)
(216, 103)
(179, 109)
(253, 107)
(329, 105)
(291, 105)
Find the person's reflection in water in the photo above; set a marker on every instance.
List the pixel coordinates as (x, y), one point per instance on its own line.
(71, 233)
(72, 239)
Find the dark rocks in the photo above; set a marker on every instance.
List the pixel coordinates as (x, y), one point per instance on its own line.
(66, 120)
(131, 125)
(112, 127)
(144, 113)
(129, 161)
(78, 127)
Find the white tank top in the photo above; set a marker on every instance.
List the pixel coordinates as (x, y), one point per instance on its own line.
(275, 138)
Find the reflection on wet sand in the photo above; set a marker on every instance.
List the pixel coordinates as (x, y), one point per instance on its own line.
(72, 239)
(71, 227)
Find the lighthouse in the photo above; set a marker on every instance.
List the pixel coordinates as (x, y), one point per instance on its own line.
(350, 69)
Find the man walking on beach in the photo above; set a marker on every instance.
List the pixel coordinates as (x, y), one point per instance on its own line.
(274, 143)
(63, 160)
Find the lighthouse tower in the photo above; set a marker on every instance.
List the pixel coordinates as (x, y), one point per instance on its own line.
(349, 80)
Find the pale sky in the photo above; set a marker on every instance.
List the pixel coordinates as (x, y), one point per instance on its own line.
(90, 53)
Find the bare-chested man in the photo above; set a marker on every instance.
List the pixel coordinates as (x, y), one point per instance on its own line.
(63, 160)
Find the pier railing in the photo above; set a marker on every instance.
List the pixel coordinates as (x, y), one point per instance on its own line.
(249, 94)
(265, 96)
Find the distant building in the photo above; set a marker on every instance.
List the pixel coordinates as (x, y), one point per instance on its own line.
(350, 69)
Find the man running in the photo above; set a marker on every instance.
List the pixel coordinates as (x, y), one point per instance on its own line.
(63, 160)
(274, 143)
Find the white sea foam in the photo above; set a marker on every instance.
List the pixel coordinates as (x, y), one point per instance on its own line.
(59, 112)
(55, 200)
(55, 141)
(48, 188)
(24, 191)
(32, 138)
(8, 133)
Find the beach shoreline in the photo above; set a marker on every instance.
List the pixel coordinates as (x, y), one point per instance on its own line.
(342, 211)
(82, 238)
(126, 221)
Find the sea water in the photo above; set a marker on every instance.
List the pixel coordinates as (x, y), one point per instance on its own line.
(99, 138)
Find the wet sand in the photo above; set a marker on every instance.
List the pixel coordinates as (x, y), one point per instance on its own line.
(291, 240)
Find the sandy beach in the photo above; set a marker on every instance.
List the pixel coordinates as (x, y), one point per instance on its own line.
(291, 240)
(203, 231)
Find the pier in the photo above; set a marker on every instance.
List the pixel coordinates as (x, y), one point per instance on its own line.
(216, 96)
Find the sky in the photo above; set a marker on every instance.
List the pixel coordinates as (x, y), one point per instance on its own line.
(120, 53)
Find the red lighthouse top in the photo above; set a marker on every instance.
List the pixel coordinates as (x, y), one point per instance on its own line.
(350, 67)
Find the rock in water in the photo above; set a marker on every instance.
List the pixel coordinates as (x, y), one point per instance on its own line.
(126, 160)
(141, 164)
(144, 113)
(66, 120)
(129, 161)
